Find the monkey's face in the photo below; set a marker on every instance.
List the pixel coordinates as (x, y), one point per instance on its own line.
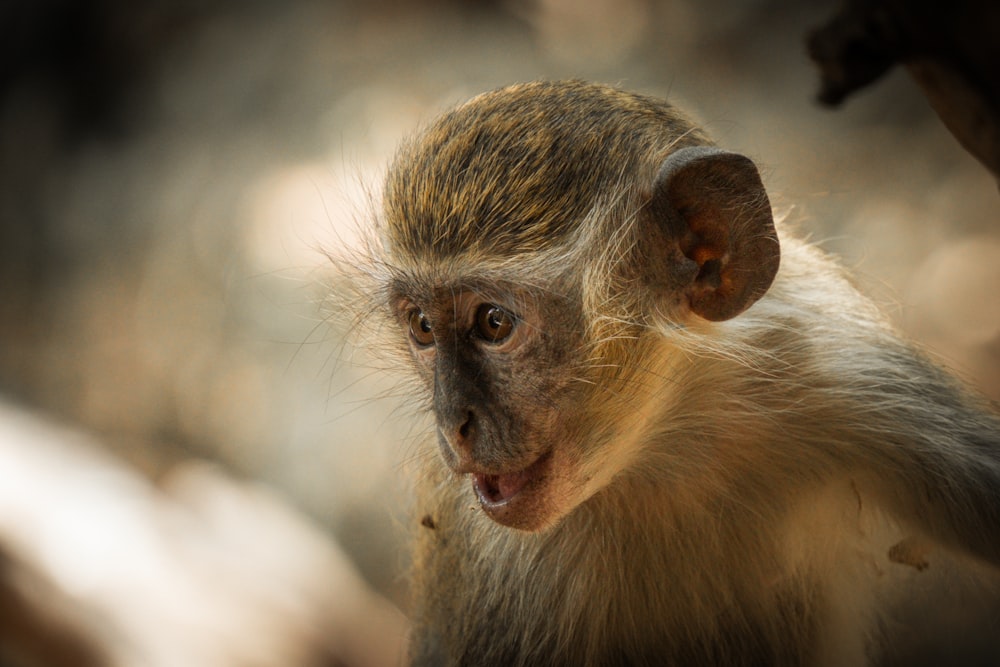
(498, 366)
(518, 224)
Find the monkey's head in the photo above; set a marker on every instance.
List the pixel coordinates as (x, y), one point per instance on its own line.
(537, 239)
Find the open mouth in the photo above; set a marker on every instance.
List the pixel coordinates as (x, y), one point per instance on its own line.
(495, 491)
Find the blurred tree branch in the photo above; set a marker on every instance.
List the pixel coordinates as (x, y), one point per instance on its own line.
(951, 49)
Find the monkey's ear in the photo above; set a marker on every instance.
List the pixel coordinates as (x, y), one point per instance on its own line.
(713, 206)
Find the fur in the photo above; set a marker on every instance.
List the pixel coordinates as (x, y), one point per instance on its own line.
(795, 485)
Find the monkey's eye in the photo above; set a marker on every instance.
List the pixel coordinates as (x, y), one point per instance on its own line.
(420, 328)
(493, 323)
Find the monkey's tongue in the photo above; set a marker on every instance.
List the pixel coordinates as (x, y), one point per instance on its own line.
(494, 489)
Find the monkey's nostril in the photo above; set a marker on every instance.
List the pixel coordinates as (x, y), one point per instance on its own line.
(467, 430)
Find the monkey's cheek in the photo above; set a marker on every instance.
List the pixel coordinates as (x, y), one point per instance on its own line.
(521, 500)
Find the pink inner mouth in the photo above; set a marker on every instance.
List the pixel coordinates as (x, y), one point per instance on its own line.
(499, 489)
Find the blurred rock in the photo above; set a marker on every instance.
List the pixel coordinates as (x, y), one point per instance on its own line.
(104, 568)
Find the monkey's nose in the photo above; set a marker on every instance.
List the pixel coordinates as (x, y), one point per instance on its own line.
(465, 435)
(459, 442)
(458, 437)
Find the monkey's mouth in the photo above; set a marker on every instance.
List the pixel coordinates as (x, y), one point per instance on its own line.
(499, 495)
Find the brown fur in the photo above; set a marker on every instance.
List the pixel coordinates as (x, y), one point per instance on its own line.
(716, 488)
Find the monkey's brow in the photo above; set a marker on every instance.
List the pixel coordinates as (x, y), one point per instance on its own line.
(425, 288)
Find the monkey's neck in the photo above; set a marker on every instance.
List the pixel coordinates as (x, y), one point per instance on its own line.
(635, 573)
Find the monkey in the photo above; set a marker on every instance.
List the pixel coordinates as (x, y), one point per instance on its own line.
(666, 429)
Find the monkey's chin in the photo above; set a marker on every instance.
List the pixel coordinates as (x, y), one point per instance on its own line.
(518, 499)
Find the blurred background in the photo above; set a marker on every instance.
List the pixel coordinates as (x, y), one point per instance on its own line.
(194, 468)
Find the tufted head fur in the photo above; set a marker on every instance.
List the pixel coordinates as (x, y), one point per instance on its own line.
(516, 170)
